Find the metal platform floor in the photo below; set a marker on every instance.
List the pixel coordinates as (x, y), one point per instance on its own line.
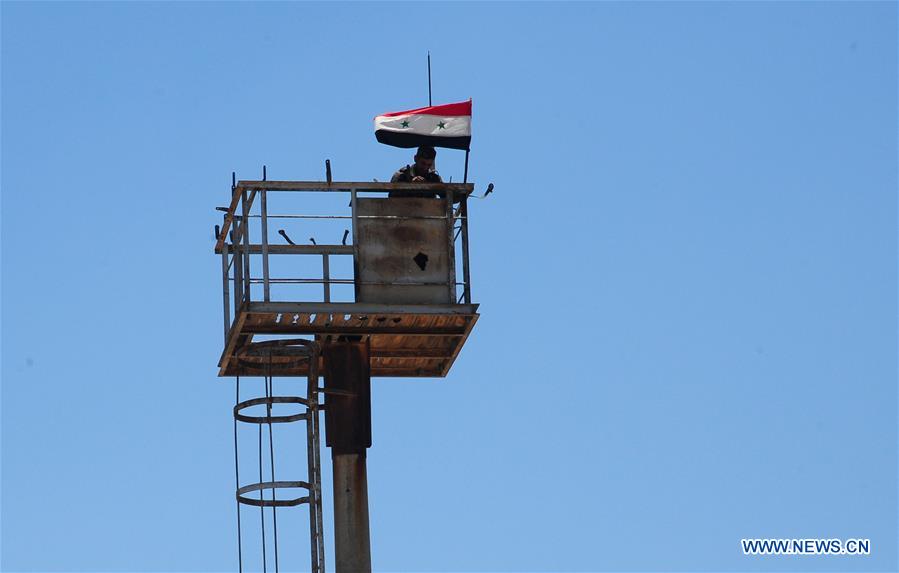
(406, 340)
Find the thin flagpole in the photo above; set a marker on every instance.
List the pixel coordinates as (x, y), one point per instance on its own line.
(465, 177)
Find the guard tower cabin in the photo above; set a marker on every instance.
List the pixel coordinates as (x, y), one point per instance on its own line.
(408, 253)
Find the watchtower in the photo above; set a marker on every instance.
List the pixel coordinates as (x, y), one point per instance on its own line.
(401, 310)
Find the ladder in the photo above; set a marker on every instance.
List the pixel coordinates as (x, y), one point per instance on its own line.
(266, 360)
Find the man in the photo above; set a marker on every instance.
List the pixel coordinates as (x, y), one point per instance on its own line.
(422, 171)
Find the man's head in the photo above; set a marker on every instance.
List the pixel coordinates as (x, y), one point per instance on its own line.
(424, 159)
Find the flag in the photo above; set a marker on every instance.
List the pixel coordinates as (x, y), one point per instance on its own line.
(447, 125)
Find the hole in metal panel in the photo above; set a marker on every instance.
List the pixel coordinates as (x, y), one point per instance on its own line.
(421, 260)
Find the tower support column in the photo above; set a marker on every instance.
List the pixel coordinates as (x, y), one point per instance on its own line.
(352, 544)
(348, 434)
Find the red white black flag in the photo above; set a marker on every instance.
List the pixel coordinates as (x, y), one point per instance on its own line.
(447, 125)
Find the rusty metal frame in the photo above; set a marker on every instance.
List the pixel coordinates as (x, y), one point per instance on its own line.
(236, 253)
(404, 339)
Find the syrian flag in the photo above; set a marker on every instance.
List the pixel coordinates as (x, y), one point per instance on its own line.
(447, 125)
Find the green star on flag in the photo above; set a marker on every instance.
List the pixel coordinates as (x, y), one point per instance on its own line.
(447, 125)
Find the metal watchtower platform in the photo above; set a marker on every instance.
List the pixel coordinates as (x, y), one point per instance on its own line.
(408, 254)
(402, 311)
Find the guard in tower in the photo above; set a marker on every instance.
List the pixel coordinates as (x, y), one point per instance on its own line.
(421, 171)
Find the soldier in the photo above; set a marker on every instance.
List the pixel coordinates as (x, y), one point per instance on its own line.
(422, 171)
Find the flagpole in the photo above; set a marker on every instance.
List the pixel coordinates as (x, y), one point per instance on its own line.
(465, 177)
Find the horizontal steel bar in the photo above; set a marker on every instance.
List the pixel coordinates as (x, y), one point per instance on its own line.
(278, 328)
(303, 216)
(343, 282)
(440, 217)
(358, 308)
(404, 217)
(299, 249)
(412, 353)
(348, 186)
(304, 281)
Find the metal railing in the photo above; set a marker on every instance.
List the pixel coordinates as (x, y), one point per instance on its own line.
(238, 251)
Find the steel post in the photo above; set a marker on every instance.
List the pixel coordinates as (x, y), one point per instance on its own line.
(352, 544)
(348, 434)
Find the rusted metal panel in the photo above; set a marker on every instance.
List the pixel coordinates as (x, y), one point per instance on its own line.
(395, 256)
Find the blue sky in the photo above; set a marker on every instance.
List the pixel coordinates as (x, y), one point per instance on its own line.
(687, 277)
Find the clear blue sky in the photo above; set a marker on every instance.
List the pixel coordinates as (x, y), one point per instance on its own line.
(687, 277)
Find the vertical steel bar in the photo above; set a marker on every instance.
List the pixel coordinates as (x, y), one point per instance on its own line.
(451, 246)
(237, 482)
(318, 483)
(326, 276)
(313, 495)
(316, 434)
(466, 271)
(262, 499)
(237, 267)
(355, 245)
(226, 291)
(269, 393)
(265, 286)
(310, 411)
(245, 234)
(314, 462)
